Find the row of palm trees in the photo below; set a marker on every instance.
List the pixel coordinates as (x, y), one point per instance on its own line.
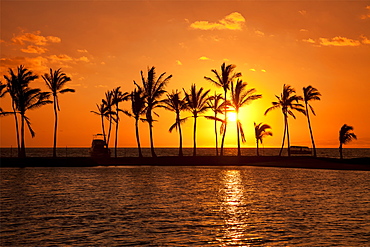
(24, 98)
(145, 98)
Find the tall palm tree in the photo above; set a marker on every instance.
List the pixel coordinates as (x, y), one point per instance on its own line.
(24, 98)
(118, 97)
(345, 136)
(108, 102)
(153, 89)
(286, 103)
(216, 104)
(260, 131)
(197, 104)
(310, 93)
(55, 81)
(240, 97)
(138, 107)
(104, 112)
(223, 80)
(175, 104)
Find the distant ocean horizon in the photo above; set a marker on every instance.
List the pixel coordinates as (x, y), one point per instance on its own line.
(133, 152)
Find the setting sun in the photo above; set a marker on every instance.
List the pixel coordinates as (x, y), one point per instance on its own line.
(231, 116)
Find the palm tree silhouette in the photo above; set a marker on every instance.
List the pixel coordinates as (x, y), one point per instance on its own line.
(223, 80)
(55, 81)
(260, 132)
(118, 97)
(345, 136)
(197, 104)
(216, 104)
(286, 103)
(2, 93)
(24, 98)
(138, 107)
(153, 89)
(104, 112)
(175, 104)
(108, 102)
(240, 97)
(310, 93)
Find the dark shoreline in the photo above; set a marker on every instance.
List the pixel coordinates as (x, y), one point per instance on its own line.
(308, 162)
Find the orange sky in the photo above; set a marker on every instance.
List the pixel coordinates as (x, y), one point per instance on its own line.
(105, 44)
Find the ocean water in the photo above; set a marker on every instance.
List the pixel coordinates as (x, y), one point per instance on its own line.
(184, 206)
(132, 152)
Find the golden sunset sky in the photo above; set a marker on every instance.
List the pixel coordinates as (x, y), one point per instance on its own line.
(105, 44)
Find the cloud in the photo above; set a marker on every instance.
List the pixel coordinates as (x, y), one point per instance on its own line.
(303, 30)
(178, 62)
(336, 41)
(365, 40)
(36, 64)
(60, 58)
(302, 12)
(34, 49)
(34, 38)
(84, 59)
(259, 33)
(83, 51)
(254, 70)
(366, 16)
(263, 70)
(233, 21)
(203, 58)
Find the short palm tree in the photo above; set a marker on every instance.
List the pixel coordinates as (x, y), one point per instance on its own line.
(197, 104)
(223, 80)
(118, 97)
(138, 107)
(24, 98)
(153, 89)
(310, 93)
(286, 103)
(176, 104)
(103, 112)
(260, 131)
(216, 104)
(108, 102)
(240, 97)
(55, 81)
(345, 136)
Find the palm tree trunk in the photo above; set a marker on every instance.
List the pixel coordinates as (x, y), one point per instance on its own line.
(257, 147)
(138, 137)
(180, 133)
(102, 127)
(309, 127)
(287, 132)
(341, 151)
(55, 128)
(16, 128)
(151, 139)
(195, 137)
(224, 134)
(238, 135)
(116, 138)
(216, 135)
(23, 148)
(282, 145)
(109, 130)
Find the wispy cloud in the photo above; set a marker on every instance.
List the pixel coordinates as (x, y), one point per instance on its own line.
(367, 15)
(82, 51)
(34, 49)
(34, 38)
(233, 21)
(336, 41)
(203, 58)
(178, 62)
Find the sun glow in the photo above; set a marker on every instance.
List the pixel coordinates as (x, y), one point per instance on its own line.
(231, 116)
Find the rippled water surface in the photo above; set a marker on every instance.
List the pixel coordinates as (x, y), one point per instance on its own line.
(184, 206)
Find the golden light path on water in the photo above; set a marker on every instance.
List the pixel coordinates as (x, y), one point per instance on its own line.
(234, 206)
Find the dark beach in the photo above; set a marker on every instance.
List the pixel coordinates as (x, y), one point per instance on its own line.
(263, 161)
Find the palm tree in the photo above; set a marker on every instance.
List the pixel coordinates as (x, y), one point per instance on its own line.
(108, 102)
(118, 97)
(216, 104)
(260, 132)
(104, 112)
(223, 80)
(345, 136)
(138, 107)
(286, 103)
(310, 93)
(153, 89)
(55, 81)
(24, 98)
(240, 96)
(197, 104)
(2, 92)
(175, 104)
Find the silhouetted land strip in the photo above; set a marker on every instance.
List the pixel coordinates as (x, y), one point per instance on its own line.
(262, 161)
